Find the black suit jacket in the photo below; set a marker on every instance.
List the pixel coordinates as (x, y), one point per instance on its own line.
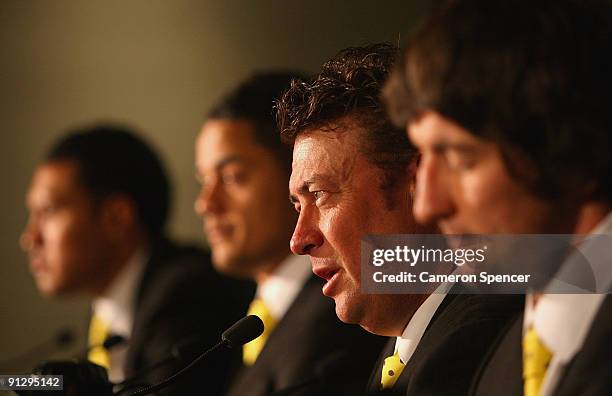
(453, 345)
(588, 373)
(181, 297)
(311, 346)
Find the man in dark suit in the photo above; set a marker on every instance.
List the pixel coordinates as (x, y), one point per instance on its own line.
(514, 134)
(353, 175)
(244, 171)
(98, 206)
(458, 337)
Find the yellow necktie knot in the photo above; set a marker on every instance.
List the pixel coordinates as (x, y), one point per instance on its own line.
(392, 369)
(536, 358)
(98, 332)
(251, 350)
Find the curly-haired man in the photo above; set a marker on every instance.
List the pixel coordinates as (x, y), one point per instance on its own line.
(353, 175)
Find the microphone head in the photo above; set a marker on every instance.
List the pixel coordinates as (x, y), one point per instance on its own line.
(112, 341)
(65, 337)
(243, 331)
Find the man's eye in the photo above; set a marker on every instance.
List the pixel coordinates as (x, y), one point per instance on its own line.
(48, 210)
(201, 179)
(233, 178)
(319, 195)
(460, 162)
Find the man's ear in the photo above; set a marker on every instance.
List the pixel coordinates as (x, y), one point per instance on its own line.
(119, 216)
(413, 167)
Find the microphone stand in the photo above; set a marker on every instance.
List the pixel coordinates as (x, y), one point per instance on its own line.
(172, 378)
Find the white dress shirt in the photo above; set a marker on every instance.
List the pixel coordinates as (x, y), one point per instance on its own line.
(562, 321)
(406, 344)
(116, 308)
(281, 288)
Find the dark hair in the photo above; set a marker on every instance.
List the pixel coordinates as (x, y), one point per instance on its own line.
(533, 77)
(348, 88)
(111, 159)
(253, 100)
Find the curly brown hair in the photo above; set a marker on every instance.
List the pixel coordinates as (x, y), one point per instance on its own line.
(349, 88)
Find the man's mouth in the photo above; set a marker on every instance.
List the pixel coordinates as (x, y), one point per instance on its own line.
(448, 228)
(331, 275)
(37, 265)
(324, 272)
(463, 241)
(218, 233)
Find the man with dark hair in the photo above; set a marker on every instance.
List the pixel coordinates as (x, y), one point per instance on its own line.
(353, 175)
(98, 206)
(244, 171)
(506, 102)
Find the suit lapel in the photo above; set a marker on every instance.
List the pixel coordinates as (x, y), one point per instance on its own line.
(589, 371)
(375, 377)
(137, 339)
(501, 372)
(404, 379)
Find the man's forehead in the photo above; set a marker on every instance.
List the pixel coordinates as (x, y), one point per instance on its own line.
(433, 129)
(322, 150)
(227, 129)
(219, 145)
(53, 180)
(325, 144)
(222, 161)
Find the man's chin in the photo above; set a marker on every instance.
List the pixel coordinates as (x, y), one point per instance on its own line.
(225, 267)
(344, 312)
(342, 317)
(230, 264)
(50, 290)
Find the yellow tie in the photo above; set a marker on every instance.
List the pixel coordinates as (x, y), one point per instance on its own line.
(98, 331)
(536, 358)
(251, 350)
(392, 369)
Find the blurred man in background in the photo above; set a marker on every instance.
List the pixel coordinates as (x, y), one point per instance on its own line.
(98, 204)
(515, 132)
(244, 171)
(353, 175)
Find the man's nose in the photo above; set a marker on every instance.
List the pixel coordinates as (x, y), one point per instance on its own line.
(432, 199)
(306, 237)
(208, 199)
(31, 237)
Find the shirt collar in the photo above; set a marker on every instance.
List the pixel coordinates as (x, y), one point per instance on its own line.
(597, 250)
(116, 306)
(562, 321)
(283, 285)
(605, 226)
(406, 344)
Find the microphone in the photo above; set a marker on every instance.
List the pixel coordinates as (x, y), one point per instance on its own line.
(60, 340)
(109, 343)
(331, 366)
(65, 337)
(112, 341)
(241, 332)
